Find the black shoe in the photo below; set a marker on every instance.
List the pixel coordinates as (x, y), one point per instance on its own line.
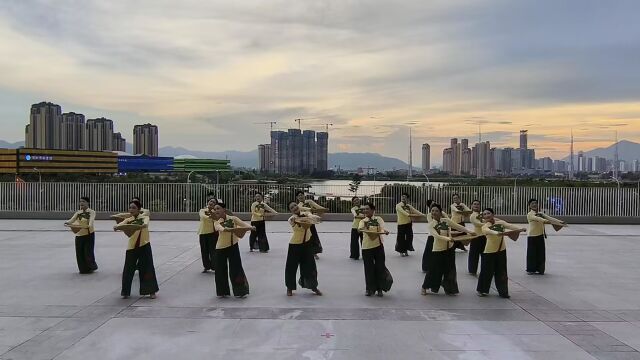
(368, 293)
(379, 294)
(505, 296)
(205, 271)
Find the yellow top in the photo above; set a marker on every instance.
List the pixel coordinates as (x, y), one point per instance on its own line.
(308, 205)
(496, 242)
(356, 211)
(477, 221)
(300, 234)
(206, 222)
(84, 218)
(371, 241)
(258, 209)
(140, 237)
(228, 238)
(441, 232)
(403, 211)
(537, 220)
(456, 214)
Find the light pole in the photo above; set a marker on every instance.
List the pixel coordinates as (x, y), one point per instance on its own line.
(189, 191)
(619, 204)
(39, 187)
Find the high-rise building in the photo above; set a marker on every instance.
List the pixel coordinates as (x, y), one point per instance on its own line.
(465, 159)
(560, 166)
(447, 160)
(582, 165)
(460, 157)
(279, 151)
(322, 151)
(309, 157)
(600, 164)
(636, 166)
(426, 158)
(481, 158)
(590, 165)
(523, 139)
(294, 156)
(99, 135)
(73, 131)
(145, 140)
(119, 143)
(547, 164)
(265, 161)
(45, 126)
(516, 161)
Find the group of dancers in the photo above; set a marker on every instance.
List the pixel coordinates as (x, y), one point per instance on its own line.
(220, 232)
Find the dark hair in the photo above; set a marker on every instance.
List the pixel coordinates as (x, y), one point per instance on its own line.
(299, 192)
(136, 203)
(474, 200)
(435, 205)
(489, 210)
(355, 197)
(258, 193)
(136, 198)
(455, 194)
(85, 198)
(222, 205)
(429, 202)
(406, 194)
(292, 202)
(531, 200)
(370, 205)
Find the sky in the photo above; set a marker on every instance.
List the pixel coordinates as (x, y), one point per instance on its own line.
(211, 73)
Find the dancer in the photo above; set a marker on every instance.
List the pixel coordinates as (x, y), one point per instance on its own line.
(308, 205)
(426, 255)
(405, 213)
(477, 245)
(494, 257)
(300, 252)
(258, 238)
(139, 255)
(536, 252)
(228, 263)
(121, 216)
(82, 221)
(377, 276)
(459, 212)
(442, 265)
(208, 235)
(356, 236)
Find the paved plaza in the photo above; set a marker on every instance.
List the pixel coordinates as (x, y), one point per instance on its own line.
(586, 307)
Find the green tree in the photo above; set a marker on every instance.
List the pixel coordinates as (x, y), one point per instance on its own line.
(355, 183)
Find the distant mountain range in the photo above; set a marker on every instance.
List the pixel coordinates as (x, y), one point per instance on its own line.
(627, 151)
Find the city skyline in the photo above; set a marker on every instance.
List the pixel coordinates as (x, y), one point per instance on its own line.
(203, 70)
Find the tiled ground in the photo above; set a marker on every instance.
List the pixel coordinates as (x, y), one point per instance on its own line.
(586, 307)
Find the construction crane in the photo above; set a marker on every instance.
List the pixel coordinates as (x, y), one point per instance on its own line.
(299, 121)
(271, 123)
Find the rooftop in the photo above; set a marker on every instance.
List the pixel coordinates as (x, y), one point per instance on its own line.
(586, 307)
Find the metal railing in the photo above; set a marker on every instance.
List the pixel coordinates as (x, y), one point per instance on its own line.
(173, 197)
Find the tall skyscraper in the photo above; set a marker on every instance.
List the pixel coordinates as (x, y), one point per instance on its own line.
(426, 158)
(119, 143)
(447, 160)
(45, 126)
(145, 140)
(73, 131)
(582, 165)
(481, 159)
(589, 165)
(322, 151)
(264, 158)
(294, 155)
(523, 139)
(99, 135)
(309, 157)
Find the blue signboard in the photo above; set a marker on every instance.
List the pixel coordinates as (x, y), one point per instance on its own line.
(127, 164)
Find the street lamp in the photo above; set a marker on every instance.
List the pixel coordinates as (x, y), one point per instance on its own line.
(189, 191)
(619, 204)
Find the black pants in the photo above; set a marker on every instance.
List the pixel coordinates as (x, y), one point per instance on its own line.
(494, 266)
(356, 240)
(301, 255)
(229, 268)
(459, 244)
(442, 272)
(475, 249)
(84, 253)
(316, 246)
(376, 275)
(141, 259)
(536, 254)
(426, 256)
(258, 239)
(404, 240)
(208, 249)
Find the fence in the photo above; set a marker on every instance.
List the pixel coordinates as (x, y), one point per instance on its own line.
(506, 200)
